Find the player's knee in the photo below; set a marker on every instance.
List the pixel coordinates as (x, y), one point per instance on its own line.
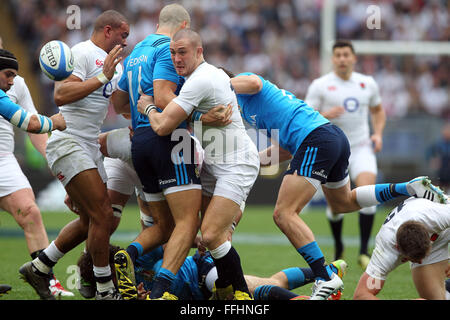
(210, 236)
(280, 215)
(28, 216)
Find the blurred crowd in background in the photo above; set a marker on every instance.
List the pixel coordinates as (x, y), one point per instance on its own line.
(279, 39)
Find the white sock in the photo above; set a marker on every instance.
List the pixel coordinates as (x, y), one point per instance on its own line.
(221, 250)
(40, 266)
(333, 217)
(366, 197)
(53, 252)
(100, 272)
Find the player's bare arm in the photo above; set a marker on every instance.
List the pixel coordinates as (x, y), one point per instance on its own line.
(266, 157)
(165, 122)
(121, 102)
(247, 84)
(163, 91)
(378, 119)
(73, 88)
(218, 116)
(368, 288)
(35, 126)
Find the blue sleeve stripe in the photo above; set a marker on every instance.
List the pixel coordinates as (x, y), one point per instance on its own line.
(42, 119)
(23, 115)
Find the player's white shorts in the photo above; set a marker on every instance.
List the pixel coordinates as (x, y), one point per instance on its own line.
(122, 177)
(362, 159)
(385, 257)
(231, 180)
(11, 175)
(68, 155)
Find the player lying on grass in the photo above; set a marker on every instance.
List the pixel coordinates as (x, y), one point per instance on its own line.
(196, 277)
(417, 230)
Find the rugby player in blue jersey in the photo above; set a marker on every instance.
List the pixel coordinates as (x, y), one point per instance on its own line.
(319, 151)
(196, 277)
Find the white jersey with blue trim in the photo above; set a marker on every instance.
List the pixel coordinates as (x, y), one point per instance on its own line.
(85, 117)
(20, 95)
(357, 94)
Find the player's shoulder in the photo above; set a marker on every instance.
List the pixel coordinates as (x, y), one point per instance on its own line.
(80, 46)
(363, 77)
(326, 78)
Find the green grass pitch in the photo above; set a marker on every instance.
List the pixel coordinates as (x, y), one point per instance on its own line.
(263, 249)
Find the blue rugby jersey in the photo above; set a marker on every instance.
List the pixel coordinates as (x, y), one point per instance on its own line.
(275, 108)
(7, 107)
(149, 60)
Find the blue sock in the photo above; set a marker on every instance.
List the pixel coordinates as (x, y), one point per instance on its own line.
(388, 191)
(331, 269)
(135, 250)
(315, 259)
(162, 283)
(298, 277)
(270, 292)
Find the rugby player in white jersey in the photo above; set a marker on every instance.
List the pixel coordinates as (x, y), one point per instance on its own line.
(417, 230)
(74, 156)
(231, 163)
(346, 98)
(16, 195)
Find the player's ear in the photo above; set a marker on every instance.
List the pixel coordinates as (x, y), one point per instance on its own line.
(199, 51)
(107, 30)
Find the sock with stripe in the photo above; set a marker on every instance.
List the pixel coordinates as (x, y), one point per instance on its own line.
(298, 277)
(270, 292)
(47, 259)
(229, 269)
(315, 259)
(103, 278)
(371, 195)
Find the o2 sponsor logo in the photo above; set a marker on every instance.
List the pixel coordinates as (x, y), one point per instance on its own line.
(351, 104)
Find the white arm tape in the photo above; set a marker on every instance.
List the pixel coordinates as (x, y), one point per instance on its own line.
(20, 119)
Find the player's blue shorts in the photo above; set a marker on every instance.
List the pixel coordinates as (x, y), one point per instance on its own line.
(157, 166)
(323, 155)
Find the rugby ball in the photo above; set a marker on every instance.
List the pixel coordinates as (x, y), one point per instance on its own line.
(56, 60)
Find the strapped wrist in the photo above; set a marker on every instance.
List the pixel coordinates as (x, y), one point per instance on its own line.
(197, 116)
(149, 108)
(102, 78)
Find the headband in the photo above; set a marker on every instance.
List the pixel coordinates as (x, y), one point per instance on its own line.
(8, 63)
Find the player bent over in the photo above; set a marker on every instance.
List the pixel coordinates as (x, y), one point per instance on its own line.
(417, 230)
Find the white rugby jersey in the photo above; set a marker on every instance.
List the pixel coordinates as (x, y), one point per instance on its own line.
(19, 94)
(204, 89)
(435, 216)
(85, 117)
(356, 95)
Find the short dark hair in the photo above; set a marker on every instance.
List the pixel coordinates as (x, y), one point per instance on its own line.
(343, 44)
(111, 18)
(413, 240)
